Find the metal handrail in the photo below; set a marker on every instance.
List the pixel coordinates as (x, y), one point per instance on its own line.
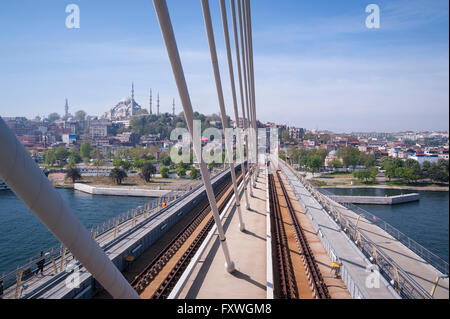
(436, 261)
(9, 278)
(408, 287)
(430, 257)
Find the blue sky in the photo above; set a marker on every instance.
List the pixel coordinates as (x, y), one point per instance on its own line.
(316, 64)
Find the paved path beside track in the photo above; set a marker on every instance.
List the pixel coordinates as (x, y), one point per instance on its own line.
(209, 279)
(351, 258)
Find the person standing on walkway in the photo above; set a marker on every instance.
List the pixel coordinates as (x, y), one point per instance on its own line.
(40, 264)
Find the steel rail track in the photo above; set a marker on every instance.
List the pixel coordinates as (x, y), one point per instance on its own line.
(155, 266)
(167, 285)
(317, 283)
(288, 286)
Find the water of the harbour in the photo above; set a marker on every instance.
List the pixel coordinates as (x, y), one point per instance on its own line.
(426, 221)
(23, 236)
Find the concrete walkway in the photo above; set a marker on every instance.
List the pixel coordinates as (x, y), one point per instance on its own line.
(355, 264)
(209, 279)
(422, 272)
(336, 286)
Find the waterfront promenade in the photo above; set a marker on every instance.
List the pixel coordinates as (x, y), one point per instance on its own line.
(120, 191)
(377, 200)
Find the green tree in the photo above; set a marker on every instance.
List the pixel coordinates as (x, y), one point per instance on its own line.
(126, 165)
(194, 173)
(147, 171)
(80, 115)
(98, 162)
(142, 112)
(71, 162)
(384, 161)
(366, 175)
(212, 165)
(165, 159)
(315, 163)
(426, 168)
(284, 136)
(336, 163)
(440, 171)
(73, 173)
(117, 162)
(49, 157)
(369, 160)
(139, 163)
(282, 155)
(373, 173)
(74, 156)
(52, 117)
(406, 174)
(118, 175)
(108, 154)
(390, 171)
(85, 150)
(164, 171)
(362, 174)
(350, 156)
(181, 171)
(61, 153)
(414, 165)
(390, 165)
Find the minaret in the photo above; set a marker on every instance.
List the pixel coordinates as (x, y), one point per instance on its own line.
(66, 108)
(131, 109)
(151, 102)
(157, 105)
(173, 107)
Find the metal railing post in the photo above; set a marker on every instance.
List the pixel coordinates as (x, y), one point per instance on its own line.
(18, 285)
(55, 269)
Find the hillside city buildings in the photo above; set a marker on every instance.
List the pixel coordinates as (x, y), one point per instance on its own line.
(112, 132)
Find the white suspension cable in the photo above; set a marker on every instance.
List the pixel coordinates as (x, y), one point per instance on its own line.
(231, 72)
(249, 141)
(245, 13)
(244, 118)
(223, 113)
(252, 76)
(177, 68)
